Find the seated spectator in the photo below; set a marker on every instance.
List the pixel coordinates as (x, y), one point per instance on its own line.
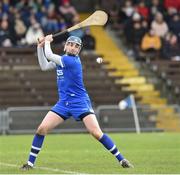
(112, 8)
(68, 12)
(5, 37)
(131, 25)
(151, 41)
(41, 15)
(137, 33)
(172, 4)
(33, 32)
(6, 6)
(124, 14)
(159, 26)
(1, 12)
(171, 48)
(154, 8)
(174, 25)
(52, 22)
(142, 9)
(145, 25)
(20, 4)
(138, 30)
(20, 28)
(128, 9)
(61, 24)
(89, 42)
(170, 13)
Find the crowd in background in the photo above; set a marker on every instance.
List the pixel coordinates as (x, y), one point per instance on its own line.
(149, 26)
(23, 21)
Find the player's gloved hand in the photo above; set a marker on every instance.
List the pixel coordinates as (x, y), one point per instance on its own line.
(49, 38)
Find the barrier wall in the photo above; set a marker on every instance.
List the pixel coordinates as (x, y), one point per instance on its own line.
(25, 120)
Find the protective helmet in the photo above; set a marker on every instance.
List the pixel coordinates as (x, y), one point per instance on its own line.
(74, 39)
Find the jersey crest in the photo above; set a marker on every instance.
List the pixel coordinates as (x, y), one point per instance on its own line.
(60, 74)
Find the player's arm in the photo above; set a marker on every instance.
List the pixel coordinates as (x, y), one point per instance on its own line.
(44, 64)
(48, 51)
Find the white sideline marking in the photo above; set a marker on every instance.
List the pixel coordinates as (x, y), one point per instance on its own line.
(43, 168)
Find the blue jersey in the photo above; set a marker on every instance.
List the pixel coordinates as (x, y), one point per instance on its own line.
(70, 79)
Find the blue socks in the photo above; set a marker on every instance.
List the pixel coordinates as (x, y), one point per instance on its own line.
(35, 148)
(38, 141)
(109, 145)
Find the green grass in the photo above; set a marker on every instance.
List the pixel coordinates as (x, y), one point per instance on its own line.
(79, 153)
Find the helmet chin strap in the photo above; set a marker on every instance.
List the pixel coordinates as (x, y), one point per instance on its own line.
(70, 54)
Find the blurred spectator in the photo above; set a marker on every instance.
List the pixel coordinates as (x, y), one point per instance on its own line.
(145, 25)
(169, 15)
(137, 33)
(5, 37)
(155, 7)
(61, 23)
(172, 4)
(89, 42)
(68, 12)
(46, 3)
(33, 32)
(1, 11)
(11, 24)
(171, 48)
(52, 22)
(20, 28)
(128, 9)
(41, 17)
(5, 6)
(134, 23)
(159, 26)
(142, 9)
(151, 44)
(112, 8)
(20, 4)
(174, 25)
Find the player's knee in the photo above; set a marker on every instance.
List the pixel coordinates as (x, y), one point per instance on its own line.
(42, 130)
(96, 133)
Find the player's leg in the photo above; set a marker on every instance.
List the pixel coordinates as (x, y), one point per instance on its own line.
(50, 121)
(94, 129)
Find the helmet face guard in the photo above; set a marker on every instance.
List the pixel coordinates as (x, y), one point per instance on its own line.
(74, 39)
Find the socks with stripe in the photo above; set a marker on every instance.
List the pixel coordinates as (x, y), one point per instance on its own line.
(35, 148)
(109, 145)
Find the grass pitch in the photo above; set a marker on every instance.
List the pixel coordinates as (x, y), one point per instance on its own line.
(79, 153)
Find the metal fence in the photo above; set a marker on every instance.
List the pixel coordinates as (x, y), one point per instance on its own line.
(23, 120)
